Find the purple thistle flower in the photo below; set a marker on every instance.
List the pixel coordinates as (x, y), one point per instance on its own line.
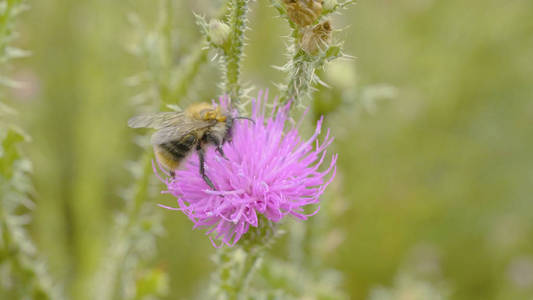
(268, 172)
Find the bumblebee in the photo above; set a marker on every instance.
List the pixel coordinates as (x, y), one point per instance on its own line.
(179, 133)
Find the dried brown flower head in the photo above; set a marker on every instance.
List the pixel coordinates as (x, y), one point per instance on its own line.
(316, 38)
(303, 12)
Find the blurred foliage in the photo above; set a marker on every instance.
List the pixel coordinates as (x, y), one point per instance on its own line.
(446, 162)
(22, 273)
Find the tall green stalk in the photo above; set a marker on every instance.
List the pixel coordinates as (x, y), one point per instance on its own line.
(236, 266)
(233, 52)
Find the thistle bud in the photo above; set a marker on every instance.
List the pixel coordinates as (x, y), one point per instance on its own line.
(218, 32)
(316, 38)
(303, 12)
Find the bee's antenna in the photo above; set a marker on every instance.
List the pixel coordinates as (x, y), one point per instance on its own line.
(245, 118)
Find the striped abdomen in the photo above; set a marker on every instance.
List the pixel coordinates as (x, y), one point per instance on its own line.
(171, 153)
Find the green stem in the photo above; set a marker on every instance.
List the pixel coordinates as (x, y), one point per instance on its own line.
(141, 186)
(236, 266)
(250, 265)
(235, 271)
(233, 53)
(299, 69)
(299, 81)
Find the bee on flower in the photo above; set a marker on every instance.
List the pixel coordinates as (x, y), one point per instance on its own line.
(269, 171)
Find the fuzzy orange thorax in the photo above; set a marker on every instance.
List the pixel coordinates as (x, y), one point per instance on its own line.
(205, 111)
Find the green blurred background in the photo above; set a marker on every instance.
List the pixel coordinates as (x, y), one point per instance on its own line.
(445, 165)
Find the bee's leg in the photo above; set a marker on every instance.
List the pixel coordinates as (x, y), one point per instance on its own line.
(219, 150)
(201, 156)
(215, 141)
(229, 131)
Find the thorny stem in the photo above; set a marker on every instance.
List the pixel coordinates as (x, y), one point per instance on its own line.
(236, 268)
(250, 264)
(291, 91)
(300, 80)
(233, 53)
(141, 191)
(237, 265)
(301, 73)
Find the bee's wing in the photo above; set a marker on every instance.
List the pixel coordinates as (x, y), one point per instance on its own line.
(157, 120)
(177, 131)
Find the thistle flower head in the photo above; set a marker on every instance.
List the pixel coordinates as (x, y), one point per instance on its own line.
(270, 171)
